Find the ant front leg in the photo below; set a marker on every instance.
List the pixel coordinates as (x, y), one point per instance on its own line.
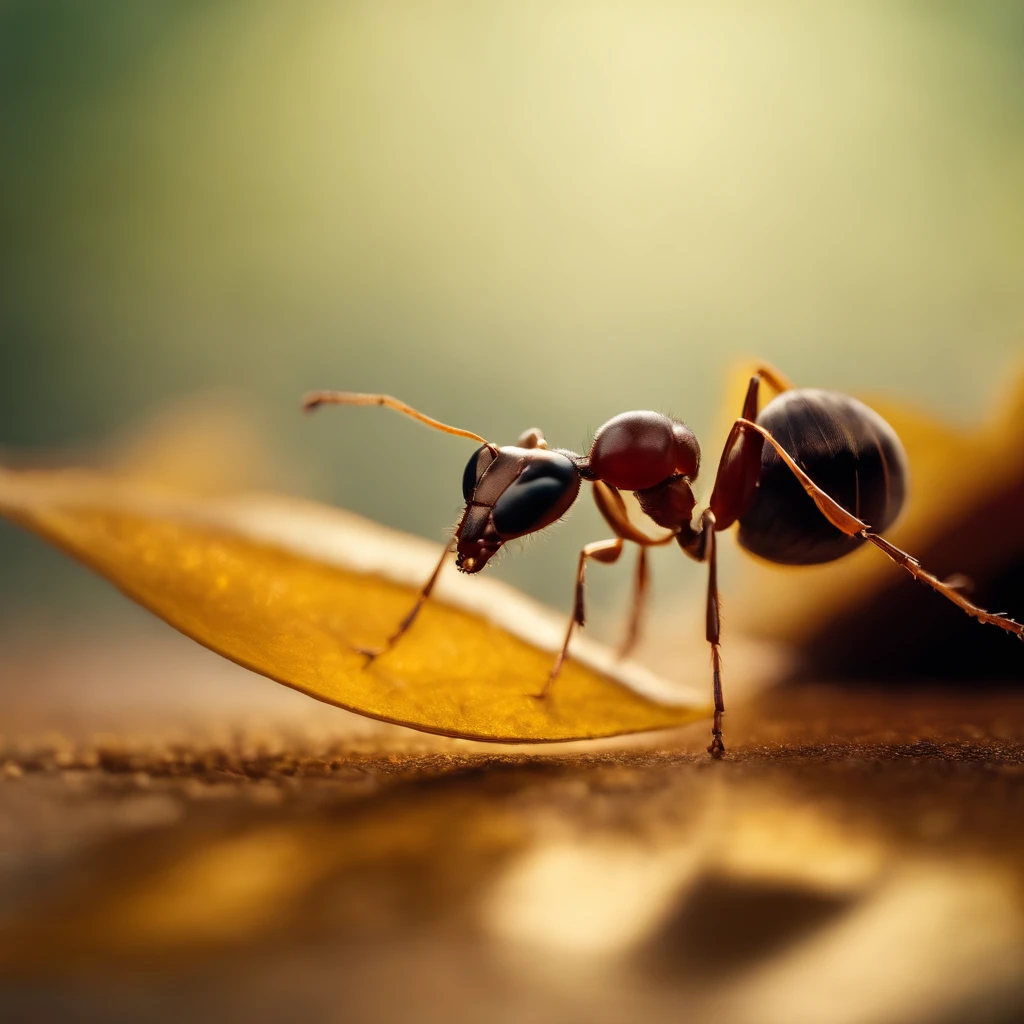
(606, 551)
(854, 527)
(410, 618)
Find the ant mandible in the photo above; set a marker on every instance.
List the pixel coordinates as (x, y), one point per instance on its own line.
(789, 475)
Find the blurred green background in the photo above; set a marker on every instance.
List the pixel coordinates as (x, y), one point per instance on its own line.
(508, 214)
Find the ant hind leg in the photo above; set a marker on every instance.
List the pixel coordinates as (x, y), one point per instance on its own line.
(854, 527)
(949, 589)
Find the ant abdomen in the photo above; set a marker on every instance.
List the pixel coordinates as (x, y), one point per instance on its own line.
(638, 450)
(848, 450)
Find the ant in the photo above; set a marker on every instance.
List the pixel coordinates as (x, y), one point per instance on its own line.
(789, 475)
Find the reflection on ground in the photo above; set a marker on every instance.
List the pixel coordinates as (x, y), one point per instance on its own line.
(858, 858)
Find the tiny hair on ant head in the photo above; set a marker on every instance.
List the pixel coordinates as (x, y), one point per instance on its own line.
(809, 478)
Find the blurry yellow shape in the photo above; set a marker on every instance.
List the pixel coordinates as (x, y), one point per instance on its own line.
(592, 900)
(931, 935)
(219, 892)
(292, 591)
(210, 443)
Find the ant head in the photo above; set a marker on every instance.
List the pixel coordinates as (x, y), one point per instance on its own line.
(509, 493)
(638, 450)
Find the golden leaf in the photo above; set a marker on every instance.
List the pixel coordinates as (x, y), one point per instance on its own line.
(292, 590)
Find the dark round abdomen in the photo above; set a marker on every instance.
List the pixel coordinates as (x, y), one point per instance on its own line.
(848, 450)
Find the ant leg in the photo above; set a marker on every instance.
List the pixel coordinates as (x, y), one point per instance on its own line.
(775, 379)
(410, 618)
(606, 551)
(314, 399)
(739, 467)
(639, 602)
(750, 403)
(713, 634)
(767, 374)
(949, 589)
(735, 483)
(854, 527)
(610, 504)
(739, 470)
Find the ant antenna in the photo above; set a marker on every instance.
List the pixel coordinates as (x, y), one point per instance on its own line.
(314, 399)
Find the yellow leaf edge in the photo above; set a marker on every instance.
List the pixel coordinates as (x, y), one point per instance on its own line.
(637, 701)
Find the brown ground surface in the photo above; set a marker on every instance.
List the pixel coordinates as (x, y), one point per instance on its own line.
(858, 857)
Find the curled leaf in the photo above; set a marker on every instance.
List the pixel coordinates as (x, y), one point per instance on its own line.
(293, 590)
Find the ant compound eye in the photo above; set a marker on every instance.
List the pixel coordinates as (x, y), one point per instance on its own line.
(478, 464)
(542, 493)
(638, 450)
